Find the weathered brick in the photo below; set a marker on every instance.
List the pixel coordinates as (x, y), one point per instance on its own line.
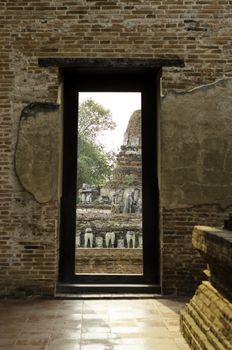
(196, 31)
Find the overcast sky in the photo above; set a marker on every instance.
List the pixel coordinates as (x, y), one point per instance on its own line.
(121, 105)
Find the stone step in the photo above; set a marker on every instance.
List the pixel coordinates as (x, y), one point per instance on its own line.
(107, 296)
(192, 333)
(206, 322)
(67, 288)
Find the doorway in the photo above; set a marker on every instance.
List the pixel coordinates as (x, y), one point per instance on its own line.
(109, 230)
(133, 201)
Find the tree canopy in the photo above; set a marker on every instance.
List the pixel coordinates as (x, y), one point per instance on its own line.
(93, 119)
(94, 163)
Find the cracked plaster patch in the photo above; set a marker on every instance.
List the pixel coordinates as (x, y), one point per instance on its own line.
(37, 151)
(196, 146)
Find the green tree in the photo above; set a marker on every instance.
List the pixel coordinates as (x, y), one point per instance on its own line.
(93, 118)
(94, 163)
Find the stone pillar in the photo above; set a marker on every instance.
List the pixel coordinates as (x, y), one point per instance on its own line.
(206, 321)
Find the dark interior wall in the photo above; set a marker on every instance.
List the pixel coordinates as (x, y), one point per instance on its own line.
(197, 32)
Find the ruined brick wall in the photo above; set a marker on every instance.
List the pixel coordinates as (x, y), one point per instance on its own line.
(117, 261)
(197, 31)
(182, 266)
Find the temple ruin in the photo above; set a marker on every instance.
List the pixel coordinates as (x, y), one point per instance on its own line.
(111, 216)
(177, 54)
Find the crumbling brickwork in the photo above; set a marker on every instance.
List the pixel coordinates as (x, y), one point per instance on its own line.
(118, 261)
(206, 320)
(198, 31)
(182, 266)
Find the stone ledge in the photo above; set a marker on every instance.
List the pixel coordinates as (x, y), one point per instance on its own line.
(213, 242)
(215, 245)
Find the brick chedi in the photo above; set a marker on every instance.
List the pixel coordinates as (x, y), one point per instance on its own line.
(129, 166)
(127, 176)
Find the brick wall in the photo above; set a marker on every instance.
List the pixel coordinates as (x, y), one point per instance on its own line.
(117, 261)
(182, 265)
(197, 31)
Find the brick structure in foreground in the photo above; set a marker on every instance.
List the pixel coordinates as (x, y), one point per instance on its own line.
(206, 321)
(199, 32)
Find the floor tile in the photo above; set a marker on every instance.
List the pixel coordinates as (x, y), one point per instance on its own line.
(29, 347)
(96, 347)
(151, 324)
(66, 346)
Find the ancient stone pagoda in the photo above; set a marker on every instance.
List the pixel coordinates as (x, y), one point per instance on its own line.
(125, 188)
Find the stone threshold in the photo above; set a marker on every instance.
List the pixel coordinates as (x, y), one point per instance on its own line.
(107, 289)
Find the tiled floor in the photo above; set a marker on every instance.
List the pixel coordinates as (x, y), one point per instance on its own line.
(91, 324)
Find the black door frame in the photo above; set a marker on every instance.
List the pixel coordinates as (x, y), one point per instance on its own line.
(126, 80)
